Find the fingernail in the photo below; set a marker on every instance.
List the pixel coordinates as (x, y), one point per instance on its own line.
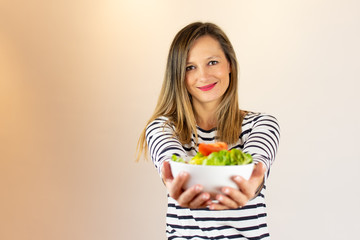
(262, 166)
(205, 196)
(226, 190)
(198, 188)
(183, 174)
(237, 178)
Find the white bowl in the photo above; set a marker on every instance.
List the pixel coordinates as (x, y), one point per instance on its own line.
(212, 178)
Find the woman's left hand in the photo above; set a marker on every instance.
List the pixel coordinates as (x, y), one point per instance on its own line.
(235, 198)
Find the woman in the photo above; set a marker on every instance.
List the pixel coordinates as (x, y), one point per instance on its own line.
(199, 103)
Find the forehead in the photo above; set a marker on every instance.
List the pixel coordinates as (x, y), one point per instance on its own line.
(205, 46)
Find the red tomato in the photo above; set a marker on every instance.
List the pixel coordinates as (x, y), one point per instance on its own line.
(206, 149)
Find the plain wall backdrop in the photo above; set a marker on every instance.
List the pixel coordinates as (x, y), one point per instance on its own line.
(79, 80)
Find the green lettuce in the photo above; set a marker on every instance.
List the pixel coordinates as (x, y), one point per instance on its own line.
(221, 158)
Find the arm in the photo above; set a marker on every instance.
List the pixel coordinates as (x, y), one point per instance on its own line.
(263, 140)
(262, 143)
(162, 145)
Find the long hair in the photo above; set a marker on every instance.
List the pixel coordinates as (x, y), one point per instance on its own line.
(174, 101)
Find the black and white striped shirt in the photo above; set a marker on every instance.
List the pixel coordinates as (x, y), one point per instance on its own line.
(260, 137)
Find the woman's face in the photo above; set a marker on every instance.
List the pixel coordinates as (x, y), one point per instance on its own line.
(207, 71)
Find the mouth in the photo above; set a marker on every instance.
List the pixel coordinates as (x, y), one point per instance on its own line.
(207, 87)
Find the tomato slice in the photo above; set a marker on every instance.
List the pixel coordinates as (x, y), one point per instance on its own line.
(206, 149)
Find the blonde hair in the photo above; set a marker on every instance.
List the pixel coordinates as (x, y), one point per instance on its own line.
(174, 101)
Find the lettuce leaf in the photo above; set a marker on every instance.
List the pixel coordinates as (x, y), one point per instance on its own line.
(221, 158)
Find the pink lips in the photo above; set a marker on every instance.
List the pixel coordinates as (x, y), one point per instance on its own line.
(207, 87)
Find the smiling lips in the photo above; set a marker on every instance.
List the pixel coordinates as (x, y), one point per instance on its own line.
(207, 87)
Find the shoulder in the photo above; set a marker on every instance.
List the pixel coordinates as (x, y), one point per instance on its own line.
(159, 124)
(257, 117)
(261, 122)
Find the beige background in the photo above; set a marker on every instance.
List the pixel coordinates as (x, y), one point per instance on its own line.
(78, 81)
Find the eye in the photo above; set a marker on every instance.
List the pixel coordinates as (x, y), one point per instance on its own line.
(213, 62)
(188, 68)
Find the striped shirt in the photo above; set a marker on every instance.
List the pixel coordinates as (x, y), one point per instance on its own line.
(260, 137)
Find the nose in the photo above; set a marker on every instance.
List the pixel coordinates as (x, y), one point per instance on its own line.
(203, 74)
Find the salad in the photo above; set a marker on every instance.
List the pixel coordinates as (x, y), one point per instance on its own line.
(217, 154)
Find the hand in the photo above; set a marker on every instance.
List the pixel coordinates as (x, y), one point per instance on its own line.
(235, 198)
(193, 197)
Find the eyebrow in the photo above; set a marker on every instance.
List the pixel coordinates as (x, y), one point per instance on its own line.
(215, 56)
(208, 58)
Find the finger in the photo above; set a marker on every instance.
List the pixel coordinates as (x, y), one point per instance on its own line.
(248, 187)
(175, 188)
(242, 184)
(257, 178)
(217, 206)
(258, 172)
(166, 172)
(237, 196)
(188, 195)
(200, 201)
(226, 201)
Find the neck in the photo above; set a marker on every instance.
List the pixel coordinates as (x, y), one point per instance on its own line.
(205, 115)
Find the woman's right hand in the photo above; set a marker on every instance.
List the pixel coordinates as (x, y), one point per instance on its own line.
(192, 197)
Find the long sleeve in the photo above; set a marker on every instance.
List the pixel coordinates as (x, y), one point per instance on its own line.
(162, 143)
(260, 138)
(263, 140)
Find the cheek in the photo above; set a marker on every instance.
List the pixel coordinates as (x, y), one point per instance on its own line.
(226, 79)
(222, 72)
(224, 76)
(187, 86)
(188, 83)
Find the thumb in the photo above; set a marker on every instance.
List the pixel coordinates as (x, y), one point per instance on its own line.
(166, 172)
(258, 172)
